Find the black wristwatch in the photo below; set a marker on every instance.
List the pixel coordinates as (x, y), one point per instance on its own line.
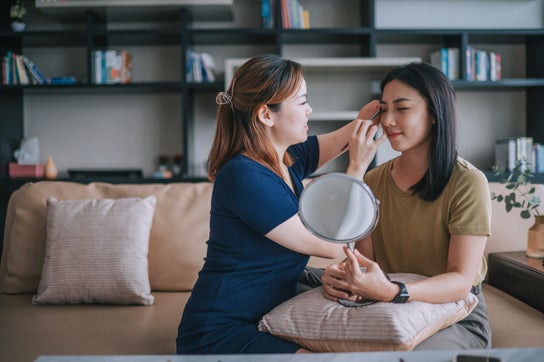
(403, 295)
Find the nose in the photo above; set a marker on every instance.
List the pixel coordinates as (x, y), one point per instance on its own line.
(309, 110)
(386, 119)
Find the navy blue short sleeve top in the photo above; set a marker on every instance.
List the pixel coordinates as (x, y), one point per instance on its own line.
(245, 274)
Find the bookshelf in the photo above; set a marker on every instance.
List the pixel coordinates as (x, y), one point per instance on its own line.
(357, 39)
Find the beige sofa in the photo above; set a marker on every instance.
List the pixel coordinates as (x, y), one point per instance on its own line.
(176, 251)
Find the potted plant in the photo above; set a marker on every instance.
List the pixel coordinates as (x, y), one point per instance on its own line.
(521, 195)
(17, 13)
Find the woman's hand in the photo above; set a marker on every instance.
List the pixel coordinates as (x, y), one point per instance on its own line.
(363, 147)
(370, 283)
(362, 143)
(334, 282)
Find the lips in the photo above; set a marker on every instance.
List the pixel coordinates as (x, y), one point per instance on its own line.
(393, 135)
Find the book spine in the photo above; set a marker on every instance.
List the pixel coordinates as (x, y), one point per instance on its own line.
(481, 65)
(126, 67)
(21, 70)
(14, 72)
(469, 63)
(266, 14)
(97, 67)
(453, 63)
(285, 14)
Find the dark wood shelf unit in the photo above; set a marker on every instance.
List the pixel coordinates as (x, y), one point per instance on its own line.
(98, 28)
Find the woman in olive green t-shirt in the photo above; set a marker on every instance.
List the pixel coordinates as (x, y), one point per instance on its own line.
(435, 211)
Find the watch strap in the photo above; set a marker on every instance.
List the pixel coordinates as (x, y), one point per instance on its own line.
(402, 296)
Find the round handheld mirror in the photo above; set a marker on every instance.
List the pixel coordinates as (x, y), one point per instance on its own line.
(339, 208)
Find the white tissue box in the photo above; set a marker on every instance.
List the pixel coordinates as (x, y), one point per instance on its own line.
(25, 171)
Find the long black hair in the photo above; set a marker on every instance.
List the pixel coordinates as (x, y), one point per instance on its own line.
(439, 95)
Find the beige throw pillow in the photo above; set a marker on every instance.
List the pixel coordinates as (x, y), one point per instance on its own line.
(321, 325)
(96, 252)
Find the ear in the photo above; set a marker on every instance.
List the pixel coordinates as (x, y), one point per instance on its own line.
(265, 115)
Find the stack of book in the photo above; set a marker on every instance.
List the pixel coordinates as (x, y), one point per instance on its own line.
(293, 15)
(19, 69)
(519, 150)
(480, 65)
(112, 67)
(447, 60)
(200, 68)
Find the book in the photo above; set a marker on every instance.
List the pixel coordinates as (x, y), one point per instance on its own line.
(62, 80)
(453, 63)
(126, 67)
(481, 64)
(505, 153)
(112, 66)
(494, 66)
(439, 58)
(285, 21)
(97, 67)
(37, 76)
(21, 70)
(200, 67)
(267, 13)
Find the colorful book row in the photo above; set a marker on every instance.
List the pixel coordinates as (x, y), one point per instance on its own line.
(200, 67)
(293, 15)
(112, 67)
(480, 65)
(19, 69)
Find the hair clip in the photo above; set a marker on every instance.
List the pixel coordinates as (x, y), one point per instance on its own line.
(223, 98)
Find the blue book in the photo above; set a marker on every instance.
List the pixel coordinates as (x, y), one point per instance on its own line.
(62, 80)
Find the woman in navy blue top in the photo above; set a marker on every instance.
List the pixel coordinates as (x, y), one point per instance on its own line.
(258, 246)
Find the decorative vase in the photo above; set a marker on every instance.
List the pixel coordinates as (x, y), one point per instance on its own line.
(50, 169)
(17, 26)
(535, 240)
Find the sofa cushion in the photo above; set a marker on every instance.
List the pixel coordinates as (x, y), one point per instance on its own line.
(321, 325)
(177, 242)
(96, 251)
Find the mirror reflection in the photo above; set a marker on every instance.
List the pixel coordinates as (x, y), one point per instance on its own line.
(339, 208)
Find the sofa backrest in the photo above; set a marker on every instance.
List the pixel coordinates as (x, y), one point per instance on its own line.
(177, 244)
(178, 234)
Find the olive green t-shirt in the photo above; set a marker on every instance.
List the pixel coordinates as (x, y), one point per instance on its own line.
(413, 235)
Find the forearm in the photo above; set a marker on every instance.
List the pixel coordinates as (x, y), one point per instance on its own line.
(443, 288)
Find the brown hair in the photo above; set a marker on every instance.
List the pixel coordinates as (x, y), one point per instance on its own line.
(265, 79)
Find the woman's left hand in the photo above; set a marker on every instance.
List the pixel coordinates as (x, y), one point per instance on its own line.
(371, 283)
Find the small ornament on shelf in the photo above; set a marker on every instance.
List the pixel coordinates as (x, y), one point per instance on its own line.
(51, 171)
(17, 13)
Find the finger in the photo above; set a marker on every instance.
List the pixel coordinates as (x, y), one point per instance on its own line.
(369, 109)
(352, 262)
(333, 293)
(363, 260)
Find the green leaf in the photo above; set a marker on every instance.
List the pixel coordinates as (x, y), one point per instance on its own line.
(525, 214)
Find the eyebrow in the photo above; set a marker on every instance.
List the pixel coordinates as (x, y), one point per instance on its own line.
(397, 100)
